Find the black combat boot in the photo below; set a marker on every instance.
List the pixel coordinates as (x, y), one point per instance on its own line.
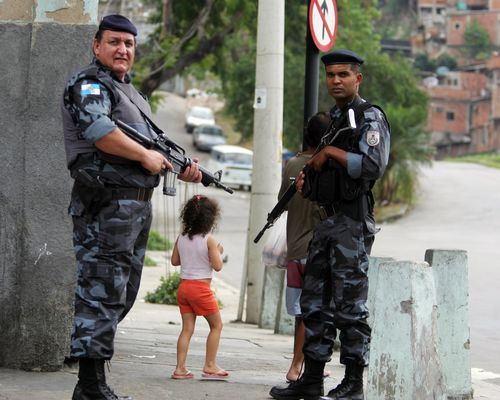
(92, 382)
(308, 387)
(351, 387)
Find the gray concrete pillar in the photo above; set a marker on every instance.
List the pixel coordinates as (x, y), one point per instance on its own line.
(452, 293)
(42, 41)
(285, 323)
(404, 364)
(271, 294)
(373, 272)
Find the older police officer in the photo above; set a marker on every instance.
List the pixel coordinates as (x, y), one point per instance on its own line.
(110, 202)
(335, 288)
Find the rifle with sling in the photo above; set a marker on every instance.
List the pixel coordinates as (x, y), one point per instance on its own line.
(175, 154)
(334, 130)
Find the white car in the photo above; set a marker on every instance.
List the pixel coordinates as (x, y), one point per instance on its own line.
(235, 162)
(207, 136)
(197, 116)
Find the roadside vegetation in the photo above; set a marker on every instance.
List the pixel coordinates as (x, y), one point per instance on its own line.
(488, 159)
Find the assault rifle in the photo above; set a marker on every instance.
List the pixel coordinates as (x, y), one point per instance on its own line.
(176, 155)
(292, 189)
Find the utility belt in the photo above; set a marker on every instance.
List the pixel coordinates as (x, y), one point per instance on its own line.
(356, 209)
(94, 198)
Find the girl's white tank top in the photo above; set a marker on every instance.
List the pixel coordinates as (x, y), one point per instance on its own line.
(193, 253)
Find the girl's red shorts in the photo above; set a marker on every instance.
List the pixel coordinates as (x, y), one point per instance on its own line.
(196, 297)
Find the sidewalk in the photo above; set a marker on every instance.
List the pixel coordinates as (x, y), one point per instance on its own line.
(145, 351)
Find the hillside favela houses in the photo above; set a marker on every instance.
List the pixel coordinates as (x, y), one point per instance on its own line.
(464, 114)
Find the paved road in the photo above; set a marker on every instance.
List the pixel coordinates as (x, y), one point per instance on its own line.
(458, 208)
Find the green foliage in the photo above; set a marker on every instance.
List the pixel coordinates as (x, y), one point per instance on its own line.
(491, 160)
(158, 242)
(446, 60)
(149, 262)
(477, 43)
(422, 62)
(166, 293)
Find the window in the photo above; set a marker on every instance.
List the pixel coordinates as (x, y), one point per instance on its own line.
(439, 109)
(450, 115)
(457, 26)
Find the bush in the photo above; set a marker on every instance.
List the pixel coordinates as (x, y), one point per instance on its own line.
(149, 262)
(166, 293)
(158, 242)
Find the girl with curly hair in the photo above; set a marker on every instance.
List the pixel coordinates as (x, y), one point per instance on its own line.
(199, 254)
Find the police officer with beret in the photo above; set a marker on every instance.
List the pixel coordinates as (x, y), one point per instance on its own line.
(340, 178)
(110, 201)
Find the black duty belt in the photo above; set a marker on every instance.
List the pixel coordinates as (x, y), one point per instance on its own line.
(326, 211)
(139, 194)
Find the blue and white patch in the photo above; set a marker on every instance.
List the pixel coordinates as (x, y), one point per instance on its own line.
(372, 138)
(91, 89)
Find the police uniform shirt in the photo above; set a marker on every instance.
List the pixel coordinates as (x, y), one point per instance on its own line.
(374, 144)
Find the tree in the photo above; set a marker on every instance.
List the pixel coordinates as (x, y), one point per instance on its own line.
(187, 33)
(477, 43)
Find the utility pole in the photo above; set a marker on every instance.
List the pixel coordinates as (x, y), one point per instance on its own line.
(267, 141)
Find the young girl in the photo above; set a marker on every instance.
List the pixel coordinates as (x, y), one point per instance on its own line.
(198, 254)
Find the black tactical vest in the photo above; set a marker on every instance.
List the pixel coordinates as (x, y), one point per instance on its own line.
(128, 105)
(333, 185)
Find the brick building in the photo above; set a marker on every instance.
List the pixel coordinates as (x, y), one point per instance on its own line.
(464, 114)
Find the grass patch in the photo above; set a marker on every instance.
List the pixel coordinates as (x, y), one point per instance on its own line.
(488, 159)
(149, 262)
(158, 242)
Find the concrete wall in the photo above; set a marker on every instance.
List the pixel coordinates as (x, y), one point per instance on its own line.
(42, 42)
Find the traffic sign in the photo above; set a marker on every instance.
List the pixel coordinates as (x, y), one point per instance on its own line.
(323, 23)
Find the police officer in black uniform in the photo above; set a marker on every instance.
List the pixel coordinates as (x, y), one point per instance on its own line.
(340, 178)
(110, 202)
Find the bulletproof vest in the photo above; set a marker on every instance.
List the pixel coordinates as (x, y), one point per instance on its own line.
(333, 185)
(128, 105)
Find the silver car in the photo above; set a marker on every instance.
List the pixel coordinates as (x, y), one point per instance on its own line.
(207, 136)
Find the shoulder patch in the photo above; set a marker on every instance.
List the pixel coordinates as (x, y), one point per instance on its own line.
(89, 89)
(372, 138)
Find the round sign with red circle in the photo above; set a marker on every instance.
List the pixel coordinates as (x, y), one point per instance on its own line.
(323, 23)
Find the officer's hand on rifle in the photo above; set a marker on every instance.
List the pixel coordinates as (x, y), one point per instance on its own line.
(318, 160)
(155, 162)
(192, 173)
(299, 181)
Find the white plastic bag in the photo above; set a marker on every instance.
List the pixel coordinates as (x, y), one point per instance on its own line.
(275, 251)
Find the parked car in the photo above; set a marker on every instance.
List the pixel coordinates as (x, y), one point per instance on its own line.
(197, 116)
(207, 136)
(235, 162)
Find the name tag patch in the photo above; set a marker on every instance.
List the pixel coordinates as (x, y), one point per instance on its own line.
(372, 138)
(91, 89)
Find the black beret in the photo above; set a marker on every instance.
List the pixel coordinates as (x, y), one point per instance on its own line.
(118, 23)
(342, 57)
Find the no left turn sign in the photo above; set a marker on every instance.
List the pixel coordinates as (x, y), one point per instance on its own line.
(323, 23)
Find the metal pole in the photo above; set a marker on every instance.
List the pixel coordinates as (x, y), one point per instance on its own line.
(311, 76)
(268, 126)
